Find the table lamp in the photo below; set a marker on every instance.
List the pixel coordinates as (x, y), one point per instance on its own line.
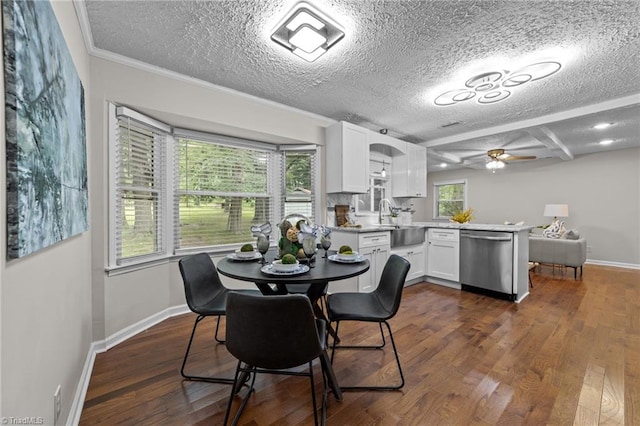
(556, 211)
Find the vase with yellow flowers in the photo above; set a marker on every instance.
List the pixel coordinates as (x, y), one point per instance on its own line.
(462, 216)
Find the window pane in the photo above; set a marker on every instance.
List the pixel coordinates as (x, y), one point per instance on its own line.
(205, 166)
(208, 221)
(222, 192)
(139, 182)
(450, 199)
(138, 224)
(298, 172)
(449, 208)
(299, 169)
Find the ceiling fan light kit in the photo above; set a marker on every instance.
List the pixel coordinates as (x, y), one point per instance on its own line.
(495, 164)
(497, 158)
(307, 32)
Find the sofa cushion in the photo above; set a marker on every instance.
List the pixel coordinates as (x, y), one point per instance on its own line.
(555, 230)
(558, 251)
(571, 234)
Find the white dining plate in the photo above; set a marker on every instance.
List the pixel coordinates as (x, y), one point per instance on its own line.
(335, 258)
(269, 270)
(234, 256)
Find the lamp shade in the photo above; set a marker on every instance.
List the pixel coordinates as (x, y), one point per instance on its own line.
(556, 210)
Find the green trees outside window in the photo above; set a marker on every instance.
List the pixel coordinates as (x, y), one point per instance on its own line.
(449, 198)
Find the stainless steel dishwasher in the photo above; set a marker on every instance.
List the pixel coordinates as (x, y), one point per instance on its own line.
(486, 262)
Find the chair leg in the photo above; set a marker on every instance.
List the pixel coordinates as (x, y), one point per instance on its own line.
(325, 394)
(216, 335)
(236, 384)
(238, 381)
(395, 351)
(186, 355)
(335, 341)
(313, 394)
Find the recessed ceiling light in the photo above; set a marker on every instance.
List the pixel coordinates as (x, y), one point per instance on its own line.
(443, 165)
(307, 32)
(602, 126)
(606, 142)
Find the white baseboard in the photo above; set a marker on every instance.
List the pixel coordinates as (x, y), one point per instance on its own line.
(81, 389)
(140, 326)
(613, 264)
(104, 345)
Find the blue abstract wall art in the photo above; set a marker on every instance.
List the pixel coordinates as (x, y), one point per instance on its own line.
(47, 197)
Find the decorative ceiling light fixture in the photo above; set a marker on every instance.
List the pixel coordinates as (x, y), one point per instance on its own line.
(491, 87)
(383, 173)
(307, 32)
(495, 164)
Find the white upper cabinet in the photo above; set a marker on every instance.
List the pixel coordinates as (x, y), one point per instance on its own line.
(347, 149)
(409, 178)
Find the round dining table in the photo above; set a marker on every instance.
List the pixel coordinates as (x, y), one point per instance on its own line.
(321, 272)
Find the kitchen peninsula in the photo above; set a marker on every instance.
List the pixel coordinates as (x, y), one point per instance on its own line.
(487, 258)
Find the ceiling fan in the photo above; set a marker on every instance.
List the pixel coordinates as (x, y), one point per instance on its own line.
(498, 159)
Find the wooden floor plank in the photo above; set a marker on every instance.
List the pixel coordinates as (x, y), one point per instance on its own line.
(568, 354)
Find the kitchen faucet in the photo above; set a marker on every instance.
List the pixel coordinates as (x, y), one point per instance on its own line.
(382, 202)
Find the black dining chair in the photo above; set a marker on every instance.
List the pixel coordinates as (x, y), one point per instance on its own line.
(207, 297)
(304, 289)
(274, 334)
(378, 306)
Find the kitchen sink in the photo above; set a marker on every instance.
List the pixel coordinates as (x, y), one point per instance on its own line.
(407, 236)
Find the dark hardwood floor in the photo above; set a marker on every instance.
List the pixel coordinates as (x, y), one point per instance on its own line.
(568, 354)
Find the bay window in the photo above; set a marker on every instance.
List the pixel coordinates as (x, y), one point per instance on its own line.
(179, 190)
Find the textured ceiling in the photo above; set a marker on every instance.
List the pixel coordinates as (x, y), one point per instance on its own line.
(397, 56)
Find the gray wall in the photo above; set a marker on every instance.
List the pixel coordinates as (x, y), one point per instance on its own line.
(602, 191)
(45, 298)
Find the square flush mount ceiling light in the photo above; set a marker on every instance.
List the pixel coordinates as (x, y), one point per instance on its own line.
(307, 32)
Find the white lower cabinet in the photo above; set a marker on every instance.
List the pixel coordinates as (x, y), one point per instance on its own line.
(443, 253)
(374, 246)
(416, 257)
(377, 256)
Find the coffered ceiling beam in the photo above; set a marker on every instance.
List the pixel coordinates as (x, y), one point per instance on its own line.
(538, 121)
(444, 156)
(546, 137)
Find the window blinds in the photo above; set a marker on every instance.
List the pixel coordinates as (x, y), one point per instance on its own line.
(299, 183)
(175, 190)
(221, 191)
(140, 182)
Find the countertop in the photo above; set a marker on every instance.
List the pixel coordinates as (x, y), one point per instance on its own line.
(448, 225)
(476, 226)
